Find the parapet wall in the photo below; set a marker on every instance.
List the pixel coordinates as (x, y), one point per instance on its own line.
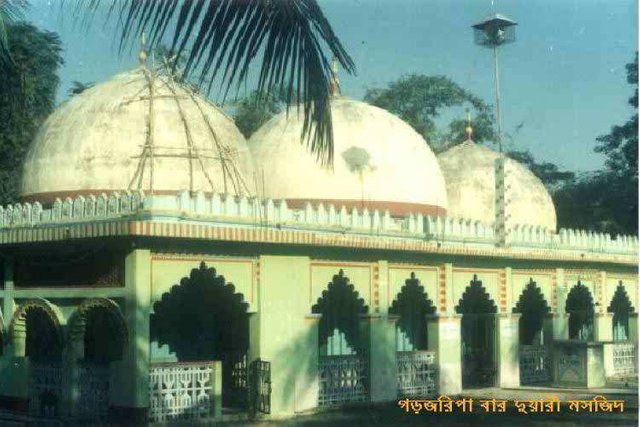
(321, 218)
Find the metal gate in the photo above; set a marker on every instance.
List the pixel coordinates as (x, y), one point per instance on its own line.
(478, 350)
(417, 373)
(259, 382)
(234, 380)
(535, 365)
(93, 391)
(45, 389)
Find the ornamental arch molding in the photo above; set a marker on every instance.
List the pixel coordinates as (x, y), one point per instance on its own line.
(77, 325)
(78, 320)
(18, 325)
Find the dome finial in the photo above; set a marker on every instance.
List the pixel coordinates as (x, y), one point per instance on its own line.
(335, 82)
(142, 55)
(469, 128)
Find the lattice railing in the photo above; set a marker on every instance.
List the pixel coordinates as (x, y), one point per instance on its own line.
(624, 359)
(45, 389)
(93, 392)
(181, 391)
(535, 365)
(343, 379)
(417, 373)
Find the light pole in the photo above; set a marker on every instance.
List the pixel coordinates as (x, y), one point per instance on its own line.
(493, 32)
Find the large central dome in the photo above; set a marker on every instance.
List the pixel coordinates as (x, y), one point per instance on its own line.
(136, 131)
(380, 162)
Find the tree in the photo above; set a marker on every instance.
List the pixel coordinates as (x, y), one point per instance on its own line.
(10, 12)
(78, 87)
(255, 110)
(27, 90)
(607, 201)
(420, 100)
(223, 37)
(621, 144)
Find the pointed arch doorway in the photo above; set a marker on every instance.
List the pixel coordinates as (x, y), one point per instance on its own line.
(535, 358)
(205, 319)
(343, 368)
(416, 365)
(478, 330)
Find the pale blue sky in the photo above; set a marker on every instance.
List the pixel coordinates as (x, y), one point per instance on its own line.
(564, 78)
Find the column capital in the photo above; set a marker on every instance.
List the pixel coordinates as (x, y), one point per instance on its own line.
(444, 316)
(312, 317)
(509, 315)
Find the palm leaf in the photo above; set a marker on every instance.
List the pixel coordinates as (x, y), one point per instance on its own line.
(10, 12)
(222, 38)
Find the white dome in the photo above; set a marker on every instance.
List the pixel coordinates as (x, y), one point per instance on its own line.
(469, 170)
(380, 162)
(98, 142)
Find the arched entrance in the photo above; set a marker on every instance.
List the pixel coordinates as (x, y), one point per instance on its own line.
(580, 308)
(416, 365)
(343, 368)
(202, 319)
(37, 336)
(535, 360)
(478, 336)
(621, 308)
(97, 335)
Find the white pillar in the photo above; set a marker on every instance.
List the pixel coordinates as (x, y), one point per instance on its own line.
(603, 327)
(508, 355)
(444, 338)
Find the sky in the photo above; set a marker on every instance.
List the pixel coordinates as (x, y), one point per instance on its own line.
(563, 82)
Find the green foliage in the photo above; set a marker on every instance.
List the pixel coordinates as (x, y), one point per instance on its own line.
(256, 109)
(621, 144)
(78, 87)
(607, 201)
(602, 202)
(10, 12)
(420, 100)
(27, 90)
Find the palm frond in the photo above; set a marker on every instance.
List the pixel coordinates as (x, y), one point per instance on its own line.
(221, 39)
(10, 12)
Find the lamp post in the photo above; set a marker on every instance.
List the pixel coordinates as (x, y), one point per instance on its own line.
(493, 32)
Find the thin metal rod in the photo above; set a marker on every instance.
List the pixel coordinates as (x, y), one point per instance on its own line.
(498, 115)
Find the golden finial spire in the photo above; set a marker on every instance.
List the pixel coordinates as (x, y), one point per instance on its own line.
(142, 55)
(469, 128)
(335, 82)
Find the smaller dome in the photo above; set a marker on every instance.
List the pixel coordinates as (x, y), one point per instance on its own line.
(469, 172)
(380, 163)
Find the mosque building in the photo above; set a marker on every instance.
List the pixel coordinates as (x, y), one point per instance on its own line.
(160, 266)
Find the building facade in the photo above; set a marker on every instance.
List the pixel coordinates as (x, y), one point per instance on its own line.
(144, 278)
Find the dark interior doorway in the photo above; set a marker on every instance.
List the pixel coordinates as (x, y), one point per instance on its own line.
(204, 318)
(478, 329)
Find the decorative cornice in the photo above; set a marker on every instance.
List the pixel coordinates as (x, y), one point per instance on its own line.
(224, 217)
